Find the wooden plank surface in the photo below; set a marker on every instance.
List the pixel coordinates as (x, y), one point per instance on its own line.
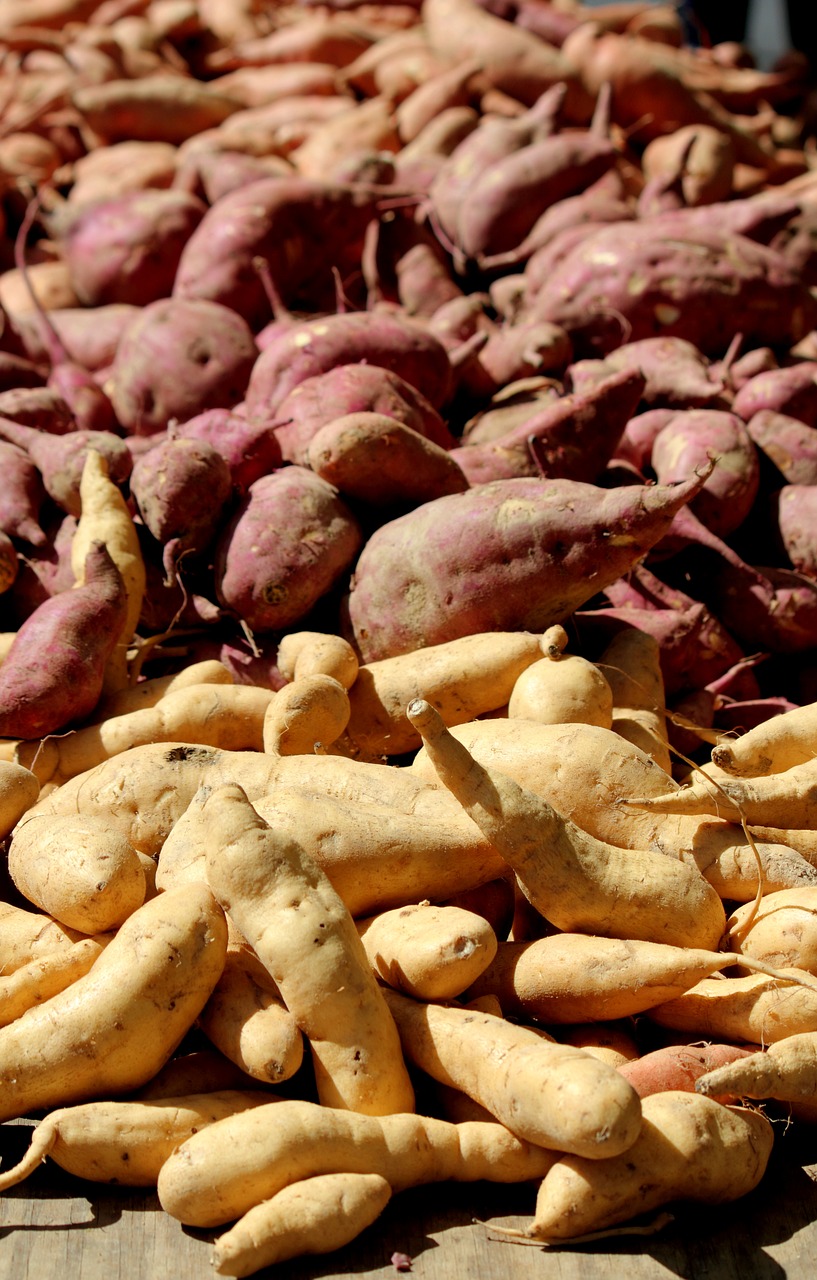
(56, 1227)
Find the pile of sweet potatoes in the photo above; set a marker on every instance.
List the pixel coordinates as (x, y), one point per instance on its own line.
(406, 326)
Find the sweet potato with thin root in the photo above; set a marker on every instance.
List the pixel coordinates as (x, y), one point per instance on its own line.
(574, 880)
(690, 1148)
(123, 1142)
(517, 553)
(771, 747)
(785, 1071)
(257, 873)
(567, 978)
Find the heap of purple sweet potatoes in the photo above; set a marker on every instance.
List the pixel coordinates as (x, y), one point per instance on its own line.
(408, 321)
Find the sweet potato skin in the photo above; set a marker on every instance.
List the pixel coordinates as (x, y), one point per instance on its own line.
(54, 670)
(516, 554)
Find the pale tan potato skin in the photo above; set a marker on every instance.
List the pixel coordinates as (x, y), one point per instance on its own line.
(302, 932)
(431, 952)
(215, 1177)
(318, 1215)
(113, 1029)
(19, 790)
(78, 870)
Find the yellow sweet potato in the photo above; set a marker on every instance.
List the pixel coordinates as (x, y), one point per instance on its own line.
(431, 952)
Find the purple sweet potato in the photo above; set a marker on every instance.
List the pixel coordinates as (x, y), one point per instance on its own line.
(645, 279)
(511, 352)
(353, 388)
(250, 447)
(687, 441)
(791, 390)
(763, 607)
(516, 554)
(43, 572)
(573, 438)
(22, 495)
(509, 196)
(181, 489)
(40, 407)
(127, 249)
(795, 510)
(384, 338)
(90, 334)
(677, 374)
(372, 458)
(52, 674)
(303, 228)
(177, 358)
(638, 437)
(788, 443)
(510, 407)
(60, 459)
(288, 543)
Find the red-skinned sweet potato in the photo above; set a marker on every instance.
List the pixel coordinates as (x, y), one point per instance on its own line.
(512, 554)
(287, 544)
(52, 674)
(178, 357)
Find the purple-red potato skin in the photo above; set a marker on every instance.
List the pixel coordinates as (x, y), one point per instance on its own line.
(52, 674)
(41, 407)
(353, 388)
(677, 375)
(60, 459)
(177, 358)
(290, 540)
(703, 288)
(384, 338)
(127, 248)
(791, 390)
(180, 489)
(373, 458)
(572, 439)
(788, 443)
(22, 495)
(300, 226)
(795, 508)
(689, 439)
(508, 555)
(250, 448)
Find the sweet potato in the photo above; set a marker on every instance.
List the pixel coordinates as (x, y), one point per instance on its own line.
(712, 1153)
(780, 931)
(783, 1071)
(771, 747)
(631, 665)
(534, 559)
(123, 1142)
(308, 712)
(206, 1183)
(158, 108)
(60, 459)
(112, 1030)
(23, 495)
(394, 342)
(677, 374)
(53, 673)
(250, 1024)
(127, 248)
(32, 983)
(76, 870)
(791, 390)
(685, 293)
(353, 388)
(572, 977)
(372, 458)
(788, 443)
(315, 1215)
(250, 448)
(330, 990)
(681, 1066)
(574, 880)
(181, 489)
(429, 952)
(309, 653)
(548, 1093)
(178, 357)
(684, 444)
(793, 509)
(561, 687)
(282, 220)
(19, 789)
(288, 542)
(571, 439)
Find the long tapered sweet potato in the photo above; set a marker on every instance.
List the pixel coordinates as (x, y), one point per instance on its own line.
(517, 554)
